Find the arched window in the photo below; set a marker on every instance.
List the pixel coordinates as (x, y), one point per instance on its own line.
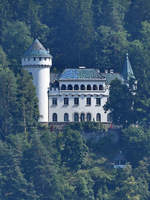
(98, 117)
(82, 87)
(109, 117)
(69, 87)
(76, 87)
(76, 117)
(88, 117)
(54, 117)
(100, 87)
(82, 117)
(94, 87)
(63, 87)
(66, 117)
(88, 87)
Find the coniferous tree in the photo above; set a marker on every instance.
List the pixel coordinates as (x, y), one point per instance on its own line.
(8, 104)
(27, 103)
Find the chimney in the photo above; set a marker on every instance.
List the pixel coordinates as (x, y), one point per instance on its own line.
(111, 71)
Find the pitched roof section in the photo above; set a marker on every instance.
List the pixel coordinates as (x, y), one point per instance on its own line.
(127, 70)
(112, 76)
(37, 50)
(81, 74)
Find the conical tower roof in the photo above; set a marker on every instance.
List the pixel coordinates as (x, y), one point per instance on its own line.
(127, 70)
(37, 50)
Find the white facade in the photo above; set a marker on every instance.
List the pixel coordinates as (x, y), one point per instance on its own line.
(37, 61)
(41, 79)
(72, 105)
(75, 95)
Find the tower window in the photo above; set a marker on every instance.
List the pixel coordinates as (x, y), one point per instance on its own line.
(88, 101)
(54, 101)
(66, 117)
(34, 59)
(76, 101)
(66, 101)
(98, 101)
(40, 58)
(54, 117)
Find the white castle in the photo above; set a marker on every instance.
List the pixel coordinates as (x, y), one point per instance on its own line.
(75, 95)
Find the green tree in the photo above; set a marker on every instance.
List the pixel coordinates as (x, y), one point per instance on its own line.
(12, 181)
(8, 104)
(121, 105)
(3, 57)
(72, 148)
(16, 39)
(40, 169)
(27, 103)
(135, 144)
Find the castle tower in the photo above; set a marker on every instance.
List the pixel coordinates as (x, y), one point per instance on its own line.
(37, 61)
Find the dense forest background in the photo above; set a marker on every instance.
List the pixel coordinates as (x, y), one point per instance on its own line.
(94, 33)
(41, 163)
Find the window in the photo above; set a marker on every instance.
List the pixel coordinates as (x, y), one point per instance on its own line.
(76, 117)
(88, 116)
(54, 101)
(100, 87)
(88, 87)
(98, 101)
(76, 87)
(69, 87)
(88, 101)
(54, 117)
(66, 101)
(66, 117)
(82, 87)
(34, 58)
(45, 59)
(82, 117)
(94, 87)
(109, 117)
(40, 58)
(98, 117)
(76, 101)
(63, 87)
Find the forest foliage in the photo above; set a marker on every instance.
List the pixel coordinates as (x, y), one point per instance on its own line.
(41, 164)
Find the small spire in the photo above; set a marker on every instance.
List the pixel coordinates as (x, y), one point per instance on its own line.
(127, 70)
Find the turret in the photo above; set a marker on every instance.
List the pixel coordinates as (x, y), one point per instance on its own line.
(37, 61)
(127, 70)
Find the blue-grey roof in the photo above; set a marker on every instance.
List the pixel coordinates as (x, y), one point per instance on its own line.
(81, 74)
(127, 70)
(37, 50)
(112, 76)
